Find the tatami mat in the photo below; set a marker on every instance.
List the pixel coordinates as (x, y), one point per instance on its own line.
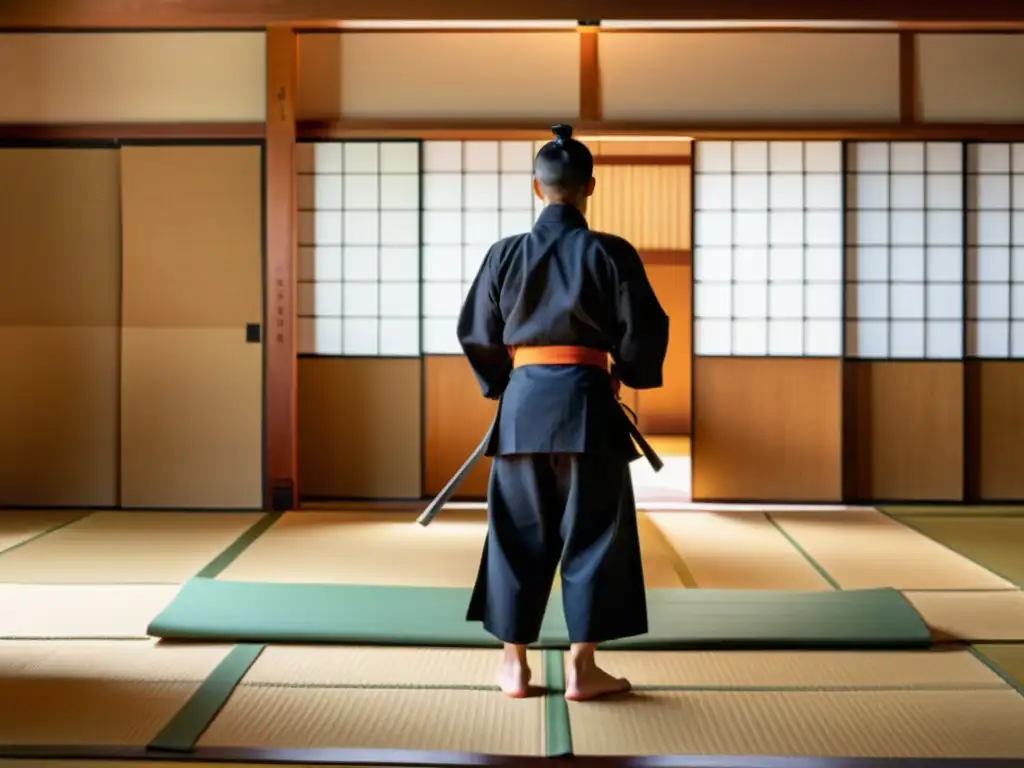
(958, 669)
(92, 693)
(365, 548)
(391, 549)
(126, 547)
(18, 526)
(954, 510)
(971, 616)
(993, 542)
(54, 611)
(864, 549)
(804, 724)
(1009, 659)
(736, 550)
(450, 721)
(355, 666)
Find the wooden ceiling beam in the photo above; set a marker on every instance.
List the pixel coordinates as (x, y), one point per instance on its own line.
(222, 14)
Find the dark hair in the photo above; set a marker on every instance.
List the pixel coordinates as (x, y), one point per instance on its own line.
(564, 164)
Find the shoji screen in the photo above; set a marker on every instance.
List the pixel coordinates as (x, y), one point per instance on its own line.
(768, 320)
(905, 320)
(474, 192)
(359, 319)
(905, 238)
(769, 233)
(359, 248)
(995, 315)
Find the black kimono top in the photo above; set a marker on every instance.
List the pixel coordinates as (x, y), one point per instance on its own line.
(562, 284)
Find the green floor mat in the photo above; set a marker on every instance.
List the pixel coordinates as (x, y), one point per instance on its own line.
(995, 543)
(228, 611)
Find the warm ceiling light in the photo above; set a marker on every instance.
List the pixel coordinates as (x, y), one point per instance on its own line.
(403, 24)
(645, 139)
(758, 24)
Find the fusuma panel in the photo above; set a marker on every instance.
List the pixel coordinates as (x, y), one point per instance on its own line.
(191, 380)
(60, 302)
(768, 249)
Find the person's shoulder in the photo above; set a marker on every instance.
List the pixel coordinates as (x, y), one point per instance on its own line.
(506, 246)
(618, 250)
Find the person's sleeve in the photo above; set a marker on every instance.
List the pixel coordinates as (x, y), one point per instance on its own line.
(640, 354)
(481, 330)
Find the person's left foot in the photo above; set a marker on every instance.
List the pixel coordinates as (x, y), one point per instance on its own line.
(514, 679)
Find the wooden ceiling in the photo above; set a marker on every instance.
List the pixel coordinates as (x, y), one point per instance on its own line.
(222, 14)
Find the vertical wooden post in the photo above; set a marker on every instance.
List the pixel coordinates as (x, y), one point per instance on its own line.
(590, 75)
(281, 374)
(909, 91)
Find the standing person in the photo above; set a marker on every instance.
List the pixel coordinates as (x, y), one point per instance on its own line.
(542, 317)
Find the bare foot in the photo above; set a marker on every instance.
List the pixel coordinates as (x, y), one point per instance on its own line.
(514, 679)
(592, 682)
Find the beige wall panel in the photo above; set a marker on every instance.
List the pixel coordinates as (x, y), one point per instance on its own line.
(971, 78)
(59, 411)
(192, 236)
(1002, 430)
(191, 386)
(133, 77)
(649, 205)
(60, 219)
(767, 429)
(915, 423)
(360, 427)
(457, 417)
(666, 411)
(762, 77)
(191, 419)
(438, 75)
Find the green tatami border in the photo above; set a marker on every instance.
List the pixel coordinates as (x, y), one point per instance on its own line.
(48, 531)
(187, 726)
(803, 552)
(557, 728)
(989, 654)
(220, 563)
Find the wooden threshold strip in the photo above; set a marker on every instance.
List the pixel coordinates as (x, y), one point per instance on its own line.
(451, 130)
(676, 256)
(129, 131)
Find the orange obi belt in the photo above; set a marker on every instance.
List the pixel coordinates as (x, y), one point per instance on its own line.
(559, 355)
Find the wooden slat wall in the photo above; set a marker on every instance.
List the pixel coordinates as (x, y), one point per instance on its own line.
(649, 205)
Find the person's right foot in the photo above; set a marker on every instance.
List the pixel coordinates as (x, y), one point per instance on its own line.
(593, 683)
(514, 680)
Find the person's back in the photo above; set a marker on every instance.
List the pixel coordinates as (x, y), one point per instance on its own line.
(541, 320)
